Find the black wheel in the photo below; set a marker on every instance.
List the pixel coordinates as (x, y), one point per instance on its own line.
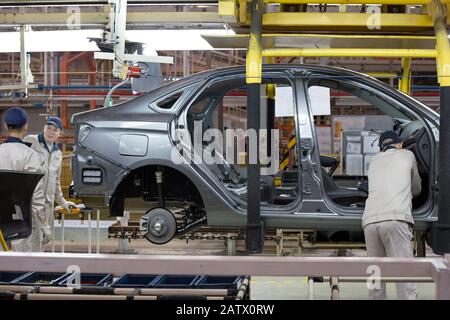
(161, 225)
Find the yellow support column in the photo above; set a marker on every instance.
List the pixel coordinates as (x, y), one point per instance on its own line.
(439, 13)
(254, 50)
(3, 243)
(254, 236)
(228, 10)
(243, 11)
(404, 84)
(270, 109)
(270, 88)
(440, 232)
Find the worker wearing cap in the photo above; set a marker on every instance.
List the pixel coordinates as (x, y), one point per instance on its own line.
(45, 144)
(387, 220)
(15, 154)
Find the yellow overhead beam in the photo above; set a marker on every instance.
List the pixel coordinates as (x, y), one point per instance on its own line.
(405, 2)
(314, 52)
(382, 74)
(330, 20)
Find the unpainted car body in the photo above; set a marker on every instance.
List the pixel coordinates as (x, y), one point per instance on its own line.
(120, 150)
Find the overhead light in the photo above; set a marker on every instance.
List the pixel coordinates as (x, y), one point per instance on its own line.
(48, 41)
(175, 39)
(77, 40)
(149, 51)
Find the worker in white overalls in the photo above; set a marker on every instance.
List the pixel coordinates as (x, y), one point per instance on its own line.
(387, 219)
(15, 154)
(45, 144)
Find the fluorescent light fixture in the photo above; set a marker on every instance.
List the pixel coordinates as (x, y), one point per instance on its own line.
(76, 40)
(175, 39)
(149, 51)
(48, 41)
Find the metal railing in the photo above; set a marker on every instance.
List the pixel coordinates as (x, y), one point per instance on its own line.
(438, 269)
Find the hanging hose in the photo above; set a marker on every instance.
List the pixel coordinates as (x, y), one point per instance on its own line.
(108, 96)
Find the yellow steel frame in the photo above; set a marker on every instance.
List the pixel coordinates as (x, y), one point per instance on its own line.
(382, 74)
(437, 17)
(346, 20)
(236, 11)
(3, 243)
(254, 51)
(404, 2)
(438, 11)
(270, 88)
(405, 81)
(338, 52)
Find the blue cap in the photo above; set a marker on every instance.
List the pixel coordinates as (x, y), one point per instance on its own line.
(57, 122)
(16, 117)
(388, 138)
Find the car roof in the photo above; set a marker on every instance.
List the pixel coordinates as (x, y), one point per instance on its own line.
(280, 68)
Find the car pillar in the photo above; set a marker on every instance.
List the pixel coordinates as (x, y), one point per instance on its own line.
(270, 122)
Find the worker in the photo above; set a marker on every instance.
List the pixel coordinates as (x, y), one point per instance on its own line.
(387, 220)
(17, 155)
(45, 145)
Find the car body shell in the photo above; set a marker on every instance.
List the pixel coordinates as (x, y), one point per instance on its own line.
(99, 135)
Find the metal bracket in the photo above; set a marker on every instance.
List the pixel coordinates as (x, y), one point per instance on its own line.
(115, 35)
(25, 72)
(305, 144)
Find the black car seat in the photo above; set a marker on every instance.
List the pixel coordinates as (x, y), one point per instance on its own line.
(328, 182)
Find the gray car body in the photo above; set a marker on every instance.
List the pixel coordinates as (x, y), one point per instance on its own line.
(100, 148)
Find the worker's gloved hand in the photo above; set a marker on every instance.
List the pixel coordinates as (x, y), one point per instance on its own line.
(71, 204)
(67, 205)
(46, 235)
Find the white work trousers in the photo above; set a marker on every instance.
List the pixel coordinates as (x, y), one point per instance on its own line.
(390, 239)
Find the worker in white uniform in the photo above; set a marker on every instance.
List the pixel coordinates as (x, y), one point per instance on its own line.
(45, 145)
(18, 155)
(387, 220)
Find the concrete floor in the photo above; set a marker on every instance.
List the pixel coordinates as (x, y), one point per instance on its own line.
(262, 288)
(296, 288)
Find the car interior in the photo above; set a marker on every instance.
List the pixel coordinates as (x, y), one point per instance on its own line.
(352, 191)
(234, 175)
(347, 191)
